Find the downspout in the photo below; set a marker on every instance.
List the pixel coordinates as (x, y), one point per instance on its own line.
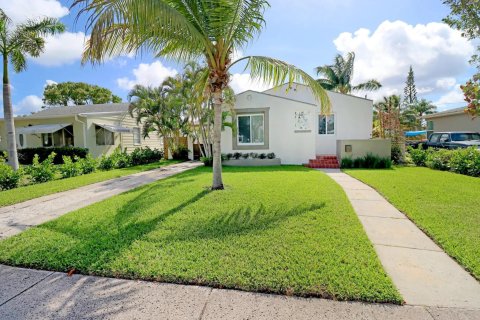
(84, 131)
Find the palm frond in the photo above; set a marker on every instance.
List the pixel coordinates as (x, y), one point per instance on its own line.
(172, 29)
(18, 60)
(370, 85)
(277, 72)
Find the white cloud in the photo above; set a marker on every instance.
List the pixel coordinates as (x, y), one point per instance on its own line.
(242, 82)
(152, 74)
(453, 98)
(21, 10)
(434, 50)
(61, 49)
(446, 83)
(27, 105)
(49, 82)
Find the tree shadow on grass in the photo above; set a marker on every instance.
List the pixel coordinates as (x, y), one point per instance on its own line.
(238, 222)
(98, 245)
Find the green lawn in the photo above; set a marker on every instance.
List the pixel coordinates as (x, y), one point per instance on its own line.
(286, 230)
(25, 193)
(445, 205)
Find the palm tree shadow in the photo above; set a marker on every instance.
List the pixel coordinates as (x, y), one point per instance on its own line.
(96, 247)
(241, 221)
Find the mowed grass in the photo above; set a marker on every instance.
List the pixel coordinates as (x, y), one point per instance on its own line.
(17, 195)
(287, 230)
(445, 205)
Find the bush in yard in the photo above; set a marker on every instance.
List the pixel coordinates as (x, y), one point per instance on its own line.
(438, 159)
(397, 154)
(42, 171)
(87, 164)
(262, 156)
(465, 161)
(245, 155)
(229, 156)
(237, 155)
(9, 178)
(181, 153)
(419, 156)
(253, 155)
(106, 163)
(144, 156)
(69, 168)
(358, 163)
(25, 156)
(271, 155)
(346, 163)
(207, 161)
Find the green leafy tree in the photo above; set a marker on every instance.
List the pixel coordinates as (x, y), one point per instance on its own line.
(465, 16)
(16, 42)
(338, 76)
(420, 109)
(76, 93)
(189, 30)
(410, 90)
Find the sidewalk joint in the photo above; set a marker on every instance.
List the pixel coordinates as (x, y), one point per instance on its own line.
(25, 290)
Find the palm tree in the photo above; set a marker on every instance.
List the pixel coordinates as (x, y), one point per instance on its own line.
(188, 30)
(338, 76)
(420, 109)
(15, 43)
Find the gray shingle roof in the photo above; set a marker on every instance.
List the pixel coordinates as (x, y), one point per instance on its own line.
(74, 110)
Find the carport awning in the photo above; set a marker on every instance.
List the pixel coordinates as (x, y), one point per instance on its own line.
(113, 128)
(43, 128)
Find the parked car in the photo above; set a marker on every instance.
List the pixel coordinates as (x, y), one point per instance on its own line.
(453, 140)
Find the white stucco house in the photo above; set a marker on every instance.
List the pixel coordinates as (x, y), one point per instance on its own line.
(286, 121)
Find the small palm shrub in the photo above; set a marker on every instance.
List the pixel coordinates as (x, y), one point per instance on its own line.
(271, 155)
(9, 178)
(42, 171)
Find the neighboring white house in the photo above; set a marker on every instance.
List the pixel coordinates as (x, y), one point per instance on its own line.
(287, 121)
(101, 128)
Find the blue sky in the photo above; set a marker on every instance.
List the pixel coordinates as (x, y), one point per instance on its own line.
(387, 36)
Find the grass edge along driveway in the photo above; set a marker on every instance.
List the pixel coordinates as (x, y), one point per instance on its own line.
(445, 205)
(287, 230)
(20, 194)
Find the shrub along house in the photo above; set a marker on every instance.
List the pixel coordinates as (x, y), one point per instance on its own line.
(101, 128)
(287, 121)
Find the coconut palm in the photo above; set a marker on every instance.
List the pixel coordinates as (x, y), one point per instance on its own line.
(189, 30)
(16, 42)
(338, 76)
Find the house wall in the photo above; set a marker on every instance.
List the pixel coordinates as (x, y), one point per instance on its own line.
(122, 140)
(353, 115)
(33, 141)
(290, 146)
(456, 122)
(360, 148)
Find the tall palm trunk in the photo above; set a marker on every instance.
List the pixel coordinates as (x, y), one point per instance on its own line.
(217, 132)
(8, 115)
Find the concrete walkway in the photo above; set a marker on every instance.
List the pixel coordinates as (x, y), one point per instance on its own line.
(34, 294)
(18, 217)
(423, 273)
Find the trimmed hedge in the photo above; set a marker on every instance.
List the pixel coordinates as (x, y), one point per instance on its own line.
(25, 156)
(370, 161)
(463, 161)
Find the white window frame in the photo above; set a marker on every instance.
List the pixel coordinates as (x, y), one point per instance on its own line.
(238, 129)
(326, 125)
(136, 131)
